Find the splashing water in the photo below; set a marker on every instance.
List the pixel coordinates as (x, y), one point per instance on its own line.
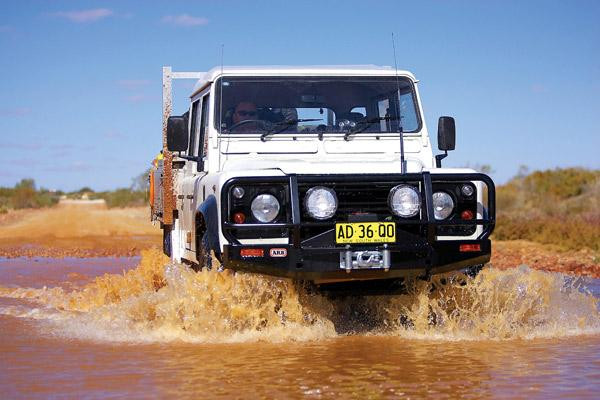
(162, 301)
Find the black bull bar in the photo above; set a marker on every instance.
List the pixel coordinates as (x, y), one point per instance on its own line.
(317, 257)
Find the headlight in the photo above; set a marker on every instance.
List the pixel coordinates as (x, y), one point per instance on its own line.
(442, 205)
(320, 202)
(265, 207)
(404, 201)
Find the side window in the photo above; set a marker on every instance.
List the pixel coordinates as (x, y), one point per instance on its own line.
(203, 140)
(407, 110)
(193, 127)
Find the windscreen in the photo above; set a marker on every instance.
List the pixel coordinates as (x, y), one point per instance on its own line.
(315, 105)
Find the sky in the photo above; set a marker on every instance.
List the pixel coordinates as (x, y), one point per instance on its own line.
(80, 93)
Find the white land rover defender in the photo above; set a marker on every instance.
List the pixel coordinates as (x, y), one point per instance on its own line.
(324, 174)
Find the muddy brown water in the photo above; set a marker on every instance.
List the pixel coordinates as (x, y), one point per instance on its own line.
(145, 328)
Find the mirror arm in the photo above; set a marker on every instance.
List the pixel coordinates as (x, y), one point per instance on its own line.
(189, 158)
(439, 158)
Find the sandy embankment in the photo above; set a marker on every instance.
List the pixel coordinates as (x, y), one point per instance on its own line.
(77, 231)
(94, 230)
(512, 253)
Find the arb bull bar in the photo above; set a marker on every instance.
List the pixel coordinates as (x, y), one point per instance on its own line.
(419, 248)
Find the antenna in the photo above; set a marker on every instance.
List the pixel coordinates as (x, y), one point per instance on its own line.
(221, 90)
(402, 162)
(220, 106)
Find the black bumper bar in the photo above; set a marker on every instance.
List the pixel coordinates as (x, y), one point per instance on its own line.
(318, 258)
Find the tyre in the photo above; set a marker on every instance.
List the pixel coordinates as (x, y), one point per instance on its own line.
(203, 252)
(473, 271)
(167, 249)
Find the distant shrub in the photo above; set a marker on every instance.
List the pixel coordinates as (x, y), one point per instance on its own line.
(507, 197)
(25, 195)
(546, 190)
(83, 190)
(572, 233)
(560, 183)
(559, 206)
(122, 198)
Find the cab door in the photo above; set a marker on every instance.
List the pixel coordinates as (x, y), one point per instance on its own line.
(189, 173)
(196, 171)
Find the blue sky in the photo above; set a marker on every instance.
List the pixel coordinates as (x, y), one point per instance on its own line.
(80, 94)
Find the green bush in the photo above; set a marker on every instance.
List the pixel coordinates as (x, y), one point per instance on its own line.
(544, 190)
(560, 207)
(122, 197)
(573, 233)
(560, 183)
(25, 195)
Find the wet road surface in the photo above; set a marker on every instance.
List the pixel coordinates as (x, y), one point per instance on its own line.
(145, 335)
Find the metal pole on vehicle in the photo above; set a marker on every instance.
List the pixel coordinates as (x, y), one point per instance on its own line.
(167, 184)
(399, 116)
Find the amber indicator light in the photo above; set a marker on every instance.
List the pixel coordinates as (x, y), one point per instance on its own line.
(467, 214)
(252, 253)
(469, 247)
(239, 218)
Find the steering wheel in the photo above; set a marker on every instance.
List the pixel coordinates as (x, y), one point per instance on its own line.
(262, 123)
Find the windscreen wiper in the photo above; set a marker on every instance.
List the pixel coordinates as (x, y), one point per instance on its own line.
(363, 125)
(286, 124)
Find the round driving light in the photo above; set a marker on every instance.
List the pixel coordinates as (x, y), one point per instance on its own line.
(467, 190)
(265, 207)
(238, 192)
(404, 201)
(320, 202)
(442, 205)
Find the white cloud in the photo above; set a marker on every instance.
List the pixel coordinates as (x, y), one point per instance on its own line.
(184, 20)
(14, 112)
(82, 16)
(114, 134)
(74, 166)
(131, 84)
(22, 146)
(137, 98)
(538, 88)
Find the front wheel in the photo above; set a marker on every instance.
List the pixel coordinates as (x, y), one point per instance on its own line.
(203, 252)
(473, 271)
(167, 247)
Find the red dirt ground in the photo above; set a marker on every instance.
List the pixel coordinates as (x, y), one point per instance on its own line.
(77, 231)
(95, 231)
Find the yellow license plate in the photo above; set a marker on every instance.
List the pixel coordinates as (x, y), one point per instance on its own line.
(365, 232)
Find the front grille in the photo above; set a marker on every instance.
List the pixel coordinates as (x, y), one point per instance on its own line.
(355, 197)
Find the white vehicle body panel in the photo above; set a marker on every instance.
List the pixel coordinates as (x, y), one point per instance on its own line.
(245, 155)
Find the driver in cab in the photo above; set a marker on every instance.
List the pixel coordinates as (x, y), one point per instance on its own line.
(245, 117)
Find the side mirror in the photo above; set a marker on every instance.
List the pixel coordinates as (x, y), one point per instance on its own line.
(177, 133)
(446, 138)
(446, 133)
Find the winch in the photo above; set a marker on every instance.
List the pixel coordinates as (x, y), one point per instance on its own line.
(365, 259)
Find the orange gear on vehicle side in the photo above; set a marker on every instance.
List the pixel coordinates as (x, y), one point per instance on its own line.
(151, 189)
